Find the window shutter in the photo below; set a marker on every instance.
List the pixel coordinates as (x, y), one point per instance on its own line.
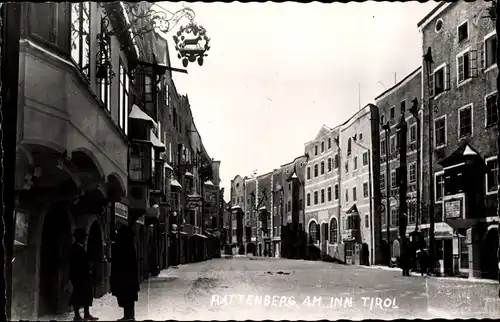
(473, 63)
(482, 61)
(431, 85)
(447, 77)
(460, 68)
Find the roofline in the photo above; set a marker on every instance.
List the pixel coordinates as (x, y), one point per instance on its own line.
(265, 174)
(400, 83)
(300, 156)
(441, 6)
(356, 115)
(331, 129)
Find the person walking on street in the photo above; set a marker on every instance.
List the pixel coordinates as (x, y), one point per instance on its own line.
(80, 275)
(423, 261)
(124, 277)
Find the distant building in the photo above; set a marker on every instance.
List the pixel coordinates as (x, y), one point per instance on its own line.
(393, 103)
(237, 205)
(462, 95)
(359, 169)
(322, 189)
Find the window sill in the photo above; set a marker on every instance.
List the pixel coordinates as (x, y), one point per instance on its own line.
(468, 80)
(490, 125)
(490, 68)
(437, 147)
(438, 95)
(490, 193)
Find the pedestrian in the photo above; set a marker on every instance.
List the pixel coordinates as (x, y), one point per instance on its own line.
(423, 261)
(80, 275)
(124, 277)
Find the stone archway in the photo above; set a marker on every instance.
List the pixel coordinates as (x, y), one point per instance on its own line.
(96, 253)
(55, 245)
(324, 238)
(489, 249)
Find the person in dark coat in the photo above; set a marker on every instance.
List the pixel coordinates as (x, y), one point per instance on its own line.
(423, 261)
(80, 275)
(124, 277)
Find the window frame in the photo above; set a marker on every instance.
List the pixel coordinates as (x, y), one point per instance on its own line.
(410, 174)
(367, 195)
(322, 195)
(334, 228)
(84, 69)
(395, 185)
(445, 132)
(486, 109)
(363, 157)
(458, 31)
(308, 173)
(354, 194)
(336, 191)
(446, 80)
(308, 199)
(315, 197)
(382, 181)
(469, 106)
(383, 151)
(329, 194)
(316, 170)
(355, 163)
(487, 160)
(436, 175)
(322, 167)
(392, 112)
(458, 56)
(413, 126)
(485, 56)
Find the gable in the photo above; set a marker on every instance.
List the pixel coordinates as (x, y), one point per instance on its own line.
(322, 132)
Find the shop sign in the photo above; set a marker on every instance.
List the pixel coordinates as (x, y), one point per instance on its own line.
(453, 208)
(121, 210)
(468, 236)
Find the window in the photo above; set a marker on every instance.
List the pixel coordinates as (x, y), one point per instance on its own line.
(440, 131)
(411, 214)
(346, 166)
(289, 206)
(80, 36)
(463, 67)
(393, 144)
(403, 107)
(349, 146)
(394, 216)
(361, 136)
(308, 173)
(346, 195)
(413, 172)
(322, 167)
(315, 170)
(382, 181)
(365, 158)
(439, 25)
(315, 150)
(355, 161)
(333, 231)
(367, 221)
(392, 113)
(322, 147)
(313, 232)
(463, 31)
(489, 52)
(336, 161)
(337, 192)
(354, 194)
(439, 80)
(308, 200)
(104, 82)
(439, 187)
(315, 197)
(322, 195)
(492, 175)
(382, 147)
(329, 143)
(491, 109)
(329, 193)
(382, 119)
(348, 249)
(413, 132)
(237, 199)
(123, 92)
(393, 179)
(465, 121)
(329, 164)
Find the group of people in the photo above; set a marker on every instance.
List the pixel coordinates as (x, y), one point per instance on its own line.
(413, 255)
(124, 277)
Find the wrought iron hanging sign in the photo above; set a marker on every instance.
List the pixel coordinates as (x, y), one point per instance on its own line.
(191, 43)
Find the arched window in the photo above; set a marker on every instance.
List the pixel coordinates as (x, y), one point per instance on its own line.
(329, 164)
(322, 167)
(308, 173)
(329, 193)
(308, 199)
(322, 195)
(315, 170)
(313, 232)
(333, 231)
(315, 150)
(349, 146)
(315, 197)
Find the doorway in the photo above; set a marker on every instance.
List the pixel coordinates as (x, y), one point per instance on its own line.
(55, 246)
(324, 239)
(489, 249)
(95, 251)
(365, 254)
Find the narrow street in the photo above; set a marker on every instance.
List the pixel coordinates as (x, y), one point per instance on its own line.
(203, 291)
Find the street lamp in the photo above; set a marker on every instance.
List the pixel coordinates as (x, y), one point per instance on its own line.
(428, 64)
(354, 138)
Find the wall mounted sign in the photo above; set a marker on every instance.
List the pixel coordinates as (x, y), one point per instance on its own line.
(121, 210)
(191, 43)
(453, 208)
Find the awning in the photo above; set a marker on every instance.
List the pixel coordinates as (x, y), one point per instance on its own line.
(156, 142)
(189, 174)
(235, 207)
(462, 223)
(209, 183)
(175, 183)
(138, 114)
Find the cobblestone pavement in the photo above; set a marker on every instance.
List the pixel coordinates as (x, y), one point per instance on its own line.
(278, 289)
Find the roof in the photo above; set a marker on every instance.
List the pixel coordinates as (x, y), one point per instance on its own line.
(433, 11)
(407, 77)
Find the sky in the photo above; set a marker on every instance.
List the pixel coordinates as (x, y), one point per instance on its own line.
(276, 72)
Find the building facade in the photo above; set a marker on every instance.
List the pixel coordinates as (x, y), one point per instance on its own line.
(459, 93)
(359, 164)
(263, 206)
(322, 190)
(238, 217)
(392, 105)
